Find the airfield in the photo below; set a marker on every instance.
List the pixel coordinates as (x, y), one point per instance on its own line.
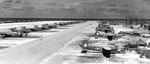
(59, 46)
(62, 45)
(38, 45)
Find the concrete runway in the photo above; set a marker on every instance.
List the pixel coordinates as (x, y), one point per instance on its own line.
(35, 52)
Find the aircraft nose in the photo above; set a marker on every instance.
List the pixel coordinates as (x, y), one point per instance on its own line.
(85, 45)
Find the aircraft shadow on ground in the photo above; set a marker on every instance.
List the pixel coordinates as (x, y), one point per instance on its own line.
(89, 35)
(47, 31)
(87, 59)
(31, 37)
(90, 57)
(61, 28)
(3, 47)
(68, 26)
(14, 38)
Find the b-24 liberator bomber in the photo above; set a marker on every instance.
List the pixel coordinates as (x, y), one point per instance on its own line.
(98, 47)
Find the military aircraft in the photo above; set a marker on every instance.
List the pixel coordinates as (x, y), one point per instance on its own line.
(45, 27)
(55, 25)
(68, 23)
(12, 34)
(109, 36)
(104, 28)
(136, 34)
(104, 47)
(36, 28)
(63, 23)
(15, 32)
(71, 22)
(23, 30)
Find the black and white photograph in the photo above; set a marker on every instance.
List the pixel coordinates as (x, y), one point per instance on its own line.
(74, 31)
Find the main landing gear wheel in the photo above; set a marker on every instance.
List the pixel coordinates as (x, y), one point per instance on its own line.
(84, 51)
(96, 37)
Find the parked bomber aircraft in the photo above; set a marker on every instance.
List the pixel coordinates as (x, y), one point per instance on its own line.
(53, 25)
(27, 30)
(45, 27)
(109, 36)
(23, 30)
(36, 28)
(130, 33)
(63, 24)
(104, 28)
(11, 34)
(106, 50)
(16, 32)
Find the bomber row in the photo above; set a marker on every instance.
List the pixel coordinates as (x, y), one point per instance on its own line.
(23, 30)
